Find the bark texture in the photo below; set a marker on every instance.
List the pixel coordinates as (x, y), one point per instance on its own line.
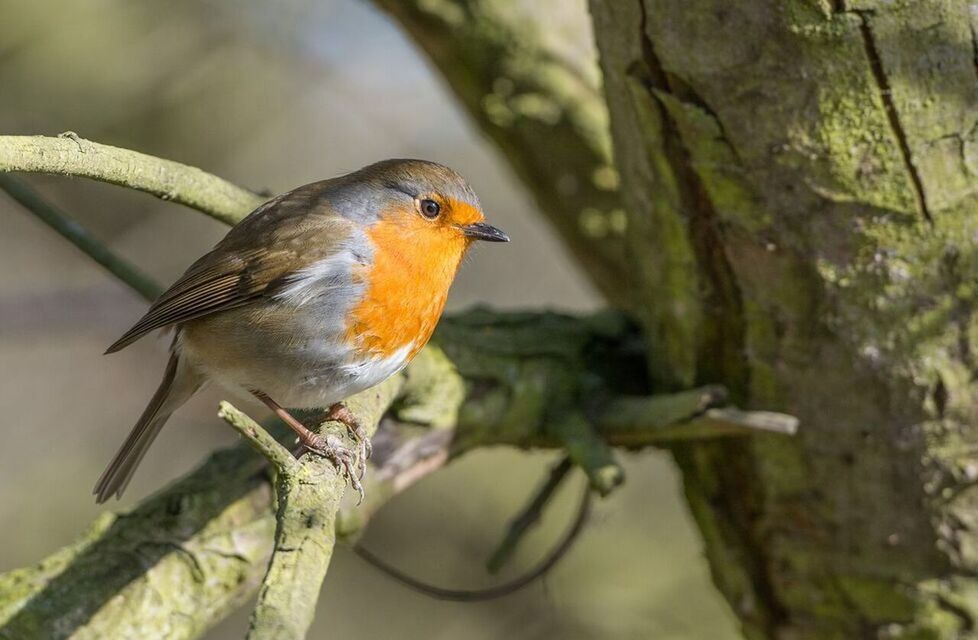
(71, 155)
(800, 181)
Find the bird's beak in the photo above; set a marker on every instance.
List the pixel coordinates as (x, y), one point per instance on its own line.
(483, 231)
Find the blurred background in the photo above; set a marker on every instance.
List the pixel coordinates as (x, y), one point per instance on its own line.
(272, 95)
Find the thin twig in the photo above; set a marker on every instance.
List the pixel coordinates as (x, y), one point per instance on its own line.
(257, 437)
(529, 516)
(756, 421)
(697, 414)
(556, 554)
(79, 236)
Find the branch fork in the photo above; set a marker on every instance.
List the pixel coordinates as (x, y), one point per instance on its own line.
(308, 493)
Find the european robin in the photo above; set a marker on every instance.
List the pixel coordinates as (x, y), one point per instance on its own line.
(318, 294)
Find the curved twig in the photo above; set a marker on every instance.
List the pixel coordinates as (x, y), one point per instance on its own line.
(498, 591)
(529, 515)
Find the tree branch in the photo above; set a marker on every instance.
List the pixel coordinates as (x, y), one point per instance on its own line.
(201, 545)
(309, 491)
(529, 516)
(73, 156)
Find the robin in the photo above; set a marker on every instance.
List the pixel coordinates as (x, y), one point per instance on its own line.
(318, 294)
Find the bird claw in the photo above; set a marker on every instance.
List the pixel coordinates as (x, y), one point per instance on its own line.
(364, 448)
(345, 460)
(340, 413)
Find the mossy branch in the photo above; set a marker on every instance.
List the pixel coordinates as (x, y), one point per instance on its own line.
(308, 494)
(207, 538)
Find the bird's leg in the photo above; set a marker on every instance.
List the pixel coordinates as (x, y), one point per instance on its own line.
(330, 447)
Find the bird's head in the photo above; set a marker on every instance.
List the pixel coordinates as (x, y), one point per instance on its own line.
(428, 203)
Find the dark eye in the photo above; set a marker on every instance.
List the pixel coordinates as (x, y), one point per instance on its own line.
(430, 208)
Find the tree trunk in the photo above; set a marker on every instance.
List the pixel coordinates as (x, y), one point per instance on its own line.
(800, 183)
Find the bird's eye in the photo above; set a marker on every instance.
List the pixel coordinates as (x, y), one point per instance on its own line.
(429, 208)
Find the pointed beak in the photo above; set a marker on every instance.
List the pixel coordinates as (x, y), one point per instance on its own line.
(483, 231)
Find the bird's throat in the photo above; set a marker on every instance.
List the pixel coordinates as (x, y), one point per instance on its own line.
(406, 287)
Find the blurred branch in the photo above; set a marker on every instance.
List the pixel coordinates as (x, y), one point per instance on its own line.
(544, 111)
(184, 558)
(529, 516)
(589, 451)
(73, 156)
(79, 236)
(558, 552)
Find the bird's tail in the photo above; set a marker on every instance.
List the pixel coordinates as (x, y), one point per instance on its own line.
(179, 383)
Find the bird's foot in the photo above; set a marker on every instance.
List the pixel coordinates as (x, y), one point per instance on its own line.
(340, 413)
(347, 461)
(350, 464)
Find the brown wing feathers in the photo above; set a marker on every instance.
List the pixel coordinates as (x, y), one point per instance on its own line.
(204, 289)
(253, 257)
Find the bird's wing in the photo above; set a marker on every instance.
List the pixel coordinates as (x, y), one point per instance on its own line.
(258, 254)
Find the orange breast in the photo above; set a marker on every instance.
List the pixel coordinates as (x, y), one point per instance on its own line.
(407, 285)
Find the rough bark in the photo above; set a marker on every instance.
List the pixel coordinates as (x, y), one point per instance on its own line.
(800, 181)
(308, 493)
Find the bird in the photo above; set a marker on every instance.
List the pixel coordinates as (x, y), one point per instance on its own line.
(316, 295)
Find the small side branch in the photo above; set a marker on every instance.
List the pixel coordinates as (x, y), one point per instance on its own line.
(259, 439)
(79, 236)
(590, 452)
(697, 414)
(529, 516)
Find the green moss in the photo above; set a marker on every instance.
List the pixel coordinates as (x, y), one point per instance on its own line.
(715, 163)
(672, 315)
(449, 12)
(876, 599)
(843, 128)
